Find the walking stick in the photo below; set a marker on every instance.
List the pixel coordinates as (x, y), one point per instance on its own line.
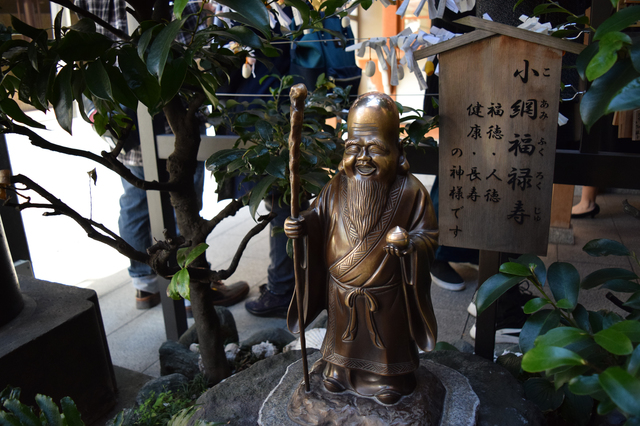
(297, 95)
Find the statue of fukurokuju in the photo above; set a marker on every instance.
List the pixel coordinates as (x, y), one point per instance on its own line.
(371, 235)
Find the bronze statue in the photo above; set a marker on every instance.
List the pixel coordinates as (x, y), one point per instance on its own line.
(371, 235)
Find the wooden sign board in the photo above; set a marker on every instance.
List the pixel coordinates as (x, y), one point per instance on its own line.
(498, 122)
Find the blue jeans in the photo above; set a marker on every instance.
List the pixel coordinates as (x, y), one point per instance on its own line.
(280, 273)
(135, 226)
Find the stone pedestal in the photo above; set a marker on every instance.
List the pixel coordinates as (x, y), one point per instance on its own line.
(57, 346)
(251, 396)
(443, 397)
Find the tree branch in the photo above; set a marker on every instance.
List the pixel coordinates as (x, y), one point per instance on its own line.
(91, 227)
(263, 221)
(85, 13)
(107, 160)
(230, 210)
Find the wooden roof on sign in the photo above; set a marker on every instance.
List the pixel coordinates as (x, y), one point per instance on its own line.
(485, 28)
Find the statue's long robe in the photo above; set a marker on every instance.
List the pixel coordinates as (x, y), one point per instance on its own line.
(376, 321)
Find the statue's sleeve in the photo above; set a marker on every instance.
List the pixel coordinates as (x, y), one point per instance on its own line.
(314, 290)
(424, 235)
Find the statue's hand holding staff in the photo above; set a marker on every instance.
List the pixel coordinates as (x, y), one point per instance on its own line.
(295, 227)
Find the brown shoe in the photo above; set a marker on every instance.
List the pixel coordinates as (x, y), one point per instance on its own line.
(229, 295)
(146, 300)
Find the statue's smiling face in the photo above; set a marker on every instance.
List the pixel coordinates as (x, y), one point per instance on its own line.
(367, 156)
(371, 151)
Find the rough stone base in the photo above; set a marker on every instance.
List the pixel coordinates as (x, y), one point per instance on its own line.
(443, 397)
(239, 399)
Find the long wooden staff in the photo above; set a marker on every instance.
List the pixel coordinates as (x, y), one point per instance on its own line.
(297, 95)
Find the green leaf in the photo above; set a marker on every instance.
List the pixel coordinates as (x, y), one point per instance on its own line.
(71, 413)
(534, 305)
(182, 283)
(259, 192)
(493, 288)
(50, 410)
(222, 158)
(618, 21)
(628, 98)
(197, 251)
(537, 324)
(160, 47)
(444, 346)
(622, 388)
(25, 29)
(542, 392)
(11, 108)
(564, 282)
(242, 35)
(633, 367)
(22, 412)
(634, 301)
(178, 7)
(83, 46)
(143, 84)
(601, 276)
(181, 256)
(605, 407)
(120, 89)
(172, 78)
(585, 385)
(614, 341)
(253, 13)
(633, 421)
(511, 362)
(595, 103)
(209, 85)
(172, 288)
(302, 7)
(576, 409)
(7, 419)
(561, 336)
(607, 54)
(543, 358)
(581, 315)
(98, 80)
(584, 58)
(277, 167)
(63, 98)
(605, 247)
(564, 304)
(622, 286)
(540, 269)
(513, 268)
(562, 378)
(144, 41)
(629, 328)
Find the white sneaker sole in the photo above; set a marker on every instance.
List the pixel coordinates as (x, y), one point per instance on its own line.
(448, 286)
(505, 335)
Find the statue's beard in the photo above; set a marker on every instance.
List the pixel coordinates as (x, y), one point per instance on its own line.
(366, 200)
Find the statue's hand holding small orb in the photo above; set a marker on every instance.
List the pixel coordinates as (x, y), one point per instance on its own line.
(398, 242)
(295, 227)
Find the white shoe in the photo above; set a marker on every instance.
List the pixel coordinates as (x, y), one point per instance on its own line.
(504, 335)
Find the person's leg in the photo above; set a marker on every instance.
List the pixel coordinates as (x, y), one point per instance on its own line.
(135, 229)
(276, 295)
(587, 202)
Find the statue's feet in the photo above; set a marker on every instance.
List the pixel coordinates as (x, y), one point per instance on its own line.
(388, 397)
(335, 379)
(386, 389)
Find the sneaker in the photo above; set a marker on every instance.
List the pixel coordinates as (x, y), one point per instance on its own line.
(446, 277)
(146, 300)
(269, 304)
(509, 322)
